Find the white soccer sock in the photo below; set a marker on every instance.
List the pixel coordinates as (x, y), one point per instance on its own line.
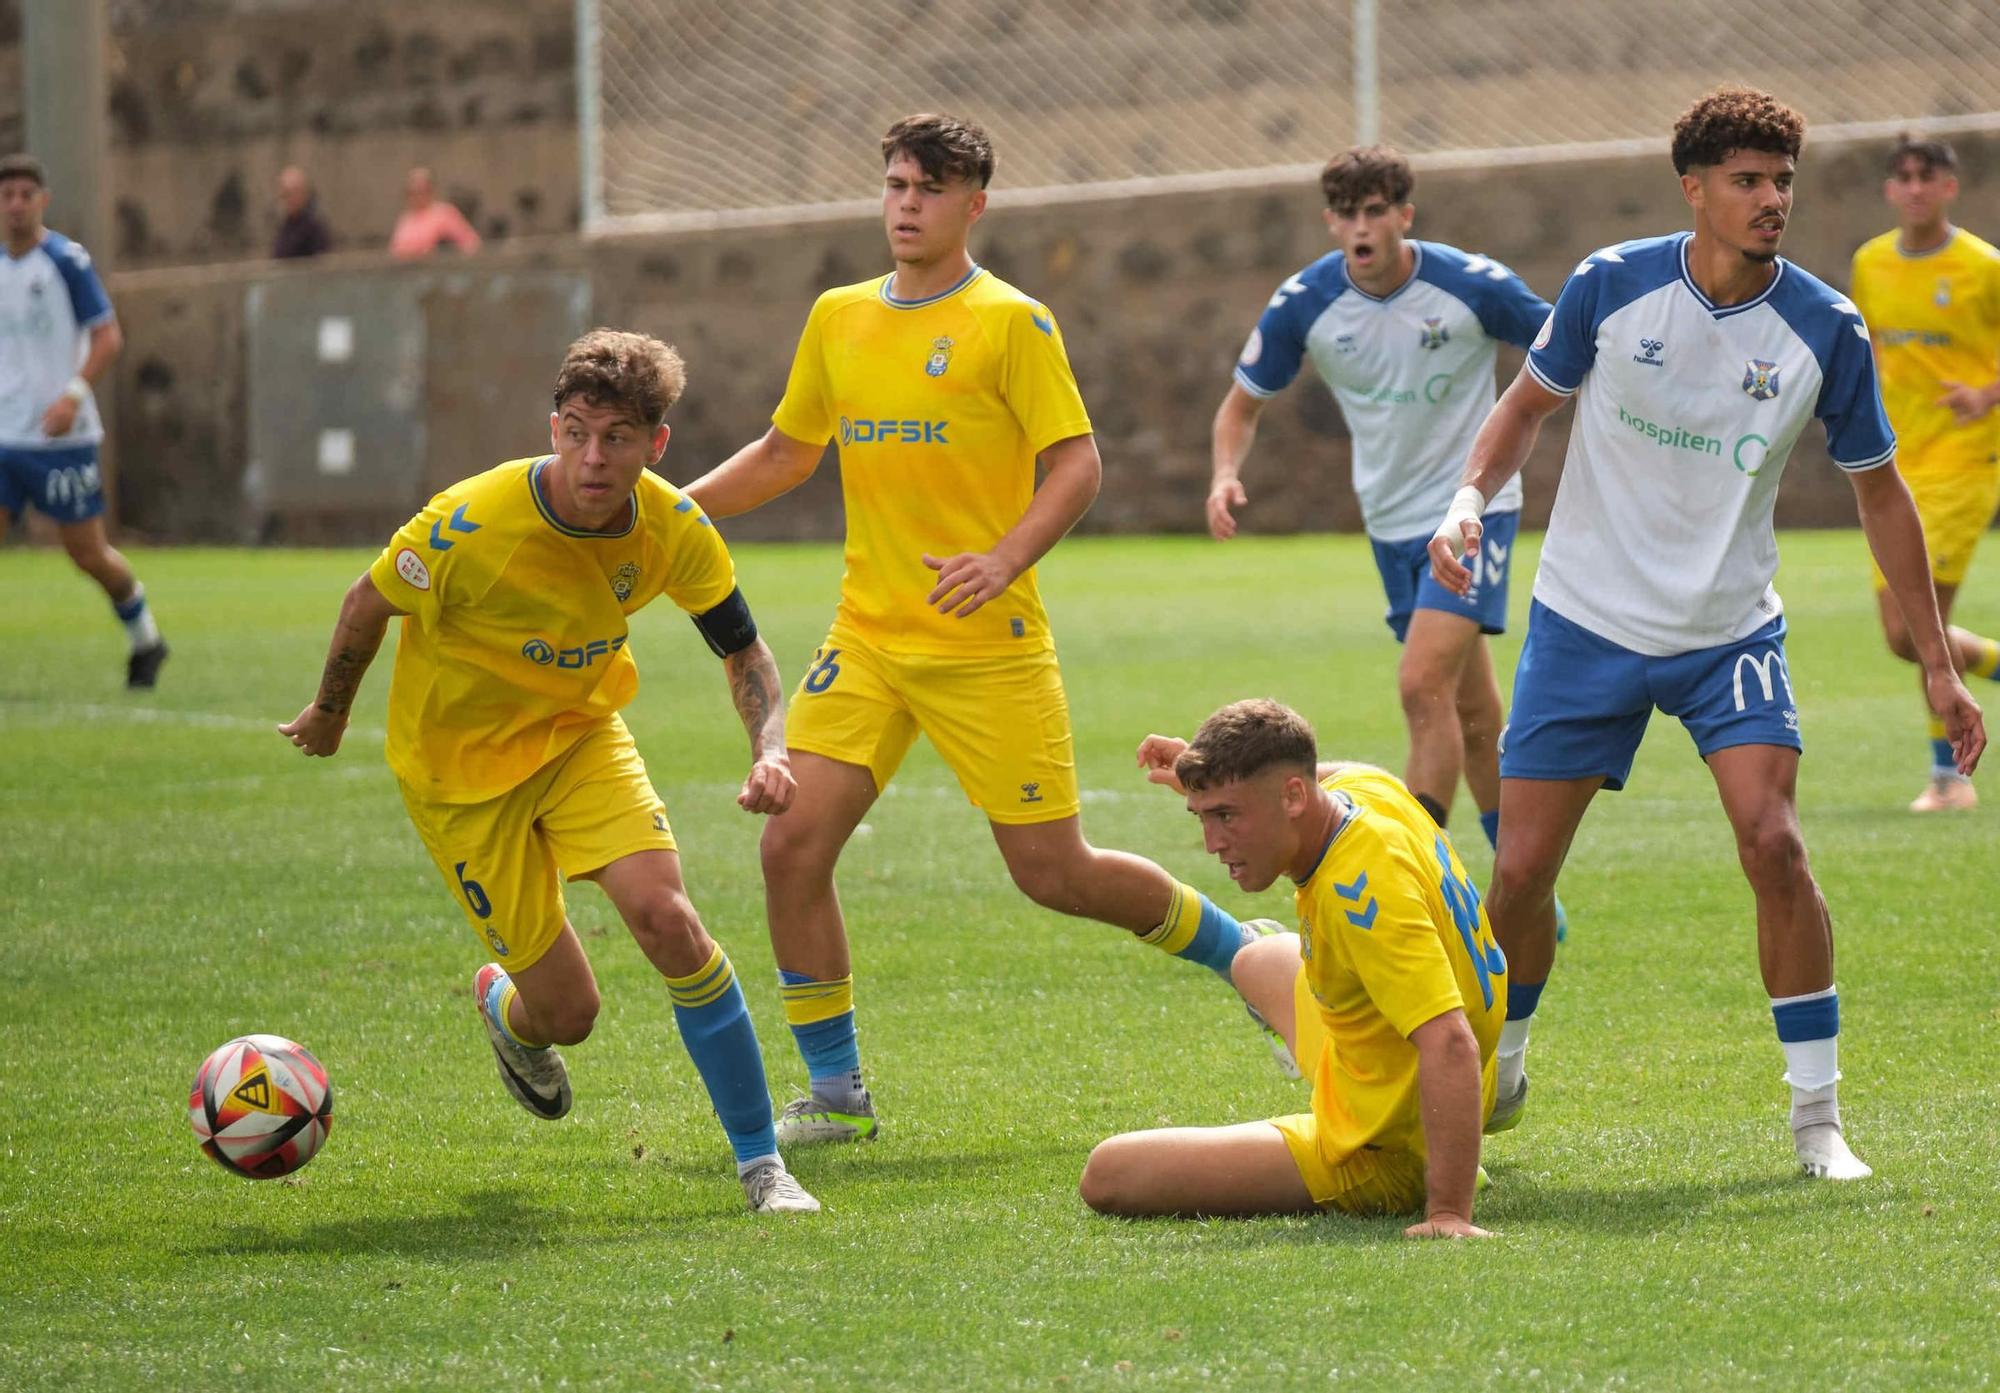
(140, 627)
(842, 1092)
(1510, 1057)
(744, 1168)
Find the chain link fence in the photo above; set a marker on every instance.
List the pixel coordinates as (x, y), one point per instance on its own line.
(705, 112)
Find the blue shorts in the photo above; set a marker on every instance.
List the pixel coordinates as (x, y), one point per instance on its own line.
(1407, 580)
(1581, 702)
(62, 482)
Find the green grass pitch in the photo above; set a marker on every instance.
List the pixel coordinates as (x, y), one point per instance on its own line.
(172, 874)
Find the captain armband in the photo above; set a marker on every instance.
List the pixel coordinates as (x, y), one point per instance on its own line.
(728, 627)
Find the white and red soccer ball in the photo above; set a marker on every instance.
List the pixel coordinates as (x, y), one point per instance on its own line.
(261, 1106)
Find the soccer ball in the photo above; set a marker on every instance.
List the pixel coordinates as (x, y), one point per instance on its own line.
(261, 1106)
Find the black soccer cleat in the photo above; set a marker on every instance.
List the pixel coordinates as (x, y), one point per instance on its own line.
(142, 669)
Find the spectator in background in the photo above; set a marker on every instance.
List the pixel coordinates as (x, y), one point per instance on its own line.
(301, 230)
(427, 221)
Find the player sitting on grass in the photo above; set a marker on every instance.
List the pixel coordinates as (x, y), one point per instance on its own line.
(516, 587)
(1391, 994)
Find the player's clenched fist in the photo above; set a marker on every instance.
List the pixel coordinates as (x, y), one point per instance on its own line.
(770, 786)
(1459, 532)
(316, 731)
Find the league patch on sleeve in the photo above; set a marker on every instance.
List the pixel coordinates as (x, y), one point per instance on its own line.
(411, 568)
(1548, 331)
(1253, 349)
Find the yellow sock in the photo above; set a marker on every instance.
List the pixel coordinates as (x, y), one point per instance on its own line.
(1988, 663)
(1177, 930)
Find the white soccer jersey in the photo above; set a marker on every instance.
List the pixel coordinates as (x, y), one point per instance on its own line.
(1661, 537)
(50, 299)
(1412, 371)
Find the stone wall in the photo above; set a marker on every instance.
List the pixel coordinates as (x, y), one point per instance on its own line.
(1155, 296)
(209, 99)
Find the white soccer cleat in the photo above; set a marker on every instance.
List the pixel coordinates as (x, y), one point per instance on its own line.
(1506, 1114)
(771, 1189)
(538, 1079)
(1823, 1154)
(1254, 929)
(1946, 793)
(806, 1120)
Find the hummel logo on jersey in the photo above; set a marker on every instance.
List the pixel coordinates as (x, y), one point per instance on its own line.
(1760, 379)
(1039, 317)
(1648, 355)
(940, 358)
(1344, 343)
(1434, 334)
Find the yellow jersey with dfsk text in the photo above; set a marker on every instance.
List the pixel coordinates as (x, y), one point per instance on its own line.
(514, 640)
(1393, 935)
(1933, 318)
(940, 406)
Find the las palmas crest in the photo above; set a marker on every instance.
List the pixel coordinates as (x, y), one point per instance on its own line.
(940, 358)
(622, 581)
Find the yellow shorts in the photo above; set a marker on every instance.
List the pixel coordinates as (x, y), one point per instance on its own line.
(1000, 723)
(505, 858)
(1956, 500)
(1368, 1182)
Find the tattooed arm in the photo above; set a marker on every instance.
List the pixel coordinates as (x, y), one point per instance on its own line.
(753, 686)
(357, 634)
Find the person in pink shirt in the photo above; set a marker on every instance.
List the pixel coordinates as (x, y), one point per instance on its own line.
(427, 221)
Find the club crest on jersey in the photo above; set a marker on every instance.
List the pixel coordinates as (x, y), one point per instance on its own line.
(1435, 335)
(1943, 296)
(940, 358)
(1760, 379)
(622, 581)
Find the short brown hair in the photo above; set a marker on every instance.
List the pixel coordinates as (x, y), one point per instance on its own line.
(948, 147)
(23, 167)
(1245, 738)
(609, 367)
(1736, 118)
(1933, 154)
(1352, 175)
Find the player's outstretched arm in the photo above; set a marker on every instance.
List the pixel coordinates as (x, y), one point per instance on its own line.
(1157, 756)
(1896, 536)
(753, 476)
(1448, 1091)
(1229, 441)
(753, 687)
(1069, 486)
(1498, 452)
(357, 636)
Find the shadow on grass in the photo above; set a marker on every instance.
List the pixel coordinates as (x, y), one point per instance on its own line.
(487, 1223)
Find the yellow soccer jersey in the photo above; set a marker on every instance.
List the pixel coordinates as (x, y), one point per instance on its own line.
(1393, 935)
(514, 641)
(940, 406)
(1933, 318)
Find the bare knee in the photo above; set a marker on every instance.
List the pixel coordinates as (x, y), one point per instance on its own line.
(1773, 854)
(1521, 876)
(669, 932)
(1106, 1182)
(1425, 691)
(1900, 643)
(794, 849)
(1047, 879)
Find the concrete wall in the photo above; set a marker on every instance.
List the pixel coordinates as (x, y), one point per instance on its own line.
(1155, 296)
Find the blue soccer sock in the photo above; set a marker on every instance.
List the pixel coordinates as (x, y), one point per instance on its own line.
(137, 618)
(1195, 929)
(1944, 763)
(821, 1015)
(1489, 823)
(715, 1026)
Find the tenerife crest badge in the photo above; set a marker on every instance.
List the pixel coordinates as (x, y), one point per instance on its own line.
(940, 358)
(1434, 332)
(1760, 379)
